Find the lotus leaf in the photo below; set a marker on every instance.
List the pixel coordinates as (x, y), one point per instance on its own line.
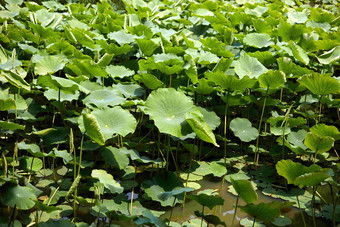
(167, 108)
(272, 79)
(261, 211)
(49, 65)
(317, 143)
(115, 157)
(20, 197)
(258, 40)
(320, 84)
(200, 127)
(158, 185)
(58, 83)
(249, 66)
(108, 181)
(104, 98)
(242, 129)
(245, 190)
(300, 175)
(209, 201)
(323, 130)
(330, 56)
(119, 71)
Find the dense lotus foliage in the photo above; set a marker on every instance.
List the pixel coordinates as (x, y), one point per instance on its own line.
(113, 113)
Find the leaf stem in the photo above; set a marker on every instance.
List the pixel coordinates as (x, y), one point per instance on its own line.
(232, 223)
(257, 155)
(303, 218)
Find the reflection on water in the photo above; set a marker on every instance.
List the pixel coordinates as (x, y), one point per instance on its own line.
(226, 212)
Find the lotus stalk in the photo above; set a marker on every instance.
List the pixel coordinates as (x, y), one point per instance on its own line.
(257, 154)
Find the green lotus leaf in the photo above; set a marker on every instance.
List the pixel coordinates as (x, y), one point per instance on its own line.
(6, 125)
(115, 157)
(245, 190)
(210, 118)
(278, 127)
(86, 67)
(150, 81)
(272, 79)
(258, 11)
(205, 168)
(121, 37)
(311, 179)
(16, 80)
(7, 104)
(282, 221)
(153, 219)
(297, 17)
(104, 123)
(158, 185)
(292, 170)
(330, 56)
(323, 130)
(49, 65)
(146, 46)
(209, 201)
(249, 66)
(130, 90)
(258, 40)
(203, 87)
(119, 71)
(30, 164)
(243, 130)
(261, 211)
(296, 138)
(200, 127)
(52, 94)
(320, 84)
(319, 144)
(167, 108)
(229, 82)
(33, 149)
(58, 83)
(108, 181)
(247, 222)
(174, 192)
(20, 197)
(299, 53)
(104, 98)
(93, 129)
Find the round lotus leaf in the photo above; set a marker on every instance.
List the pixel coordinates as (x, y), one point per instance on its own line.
(272, 79)
(297, 17)
(130, 90)
(107, 180)
(242, 129)
(292, 170)
(319, 144)
(330, 56)
(167, 108)
(249, 66)
(104, 98)
(261, 211)
(258, 40)
(119, 71)
(209, 201)
(49, 65)
(21, 197)
(58, 83)
(282, 221)
(245, 190)
(320, 84)
(30, 164)
(326, 130)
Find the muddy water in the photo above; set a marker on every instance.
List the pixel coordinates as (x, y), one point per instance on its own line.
(226, 212)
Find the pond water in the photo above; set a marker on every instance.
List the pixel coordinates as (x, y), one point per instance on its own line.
(225, 212)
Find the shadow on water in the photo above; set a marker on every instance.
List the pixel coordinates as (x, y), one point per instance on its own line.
(225, 212)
